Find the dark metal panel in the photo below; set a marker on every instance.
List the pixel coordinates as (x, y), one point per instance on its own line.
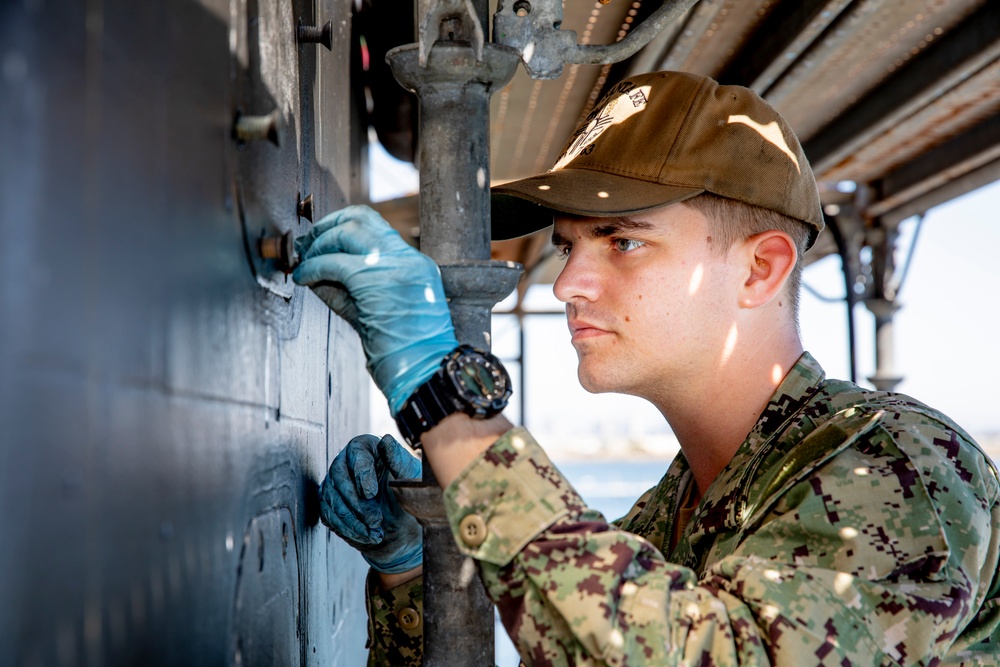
(946, 191)
(159, 403)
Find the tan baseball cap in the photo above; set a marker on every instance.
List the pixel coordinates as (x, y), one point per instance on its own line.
(658, 139)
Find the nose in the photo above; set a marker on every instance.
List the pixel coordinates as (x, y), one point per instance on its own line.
(577, 280)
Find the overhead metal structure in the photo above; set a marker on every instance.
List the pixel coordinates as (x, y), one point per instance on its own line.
(896, 102)
(900, 95)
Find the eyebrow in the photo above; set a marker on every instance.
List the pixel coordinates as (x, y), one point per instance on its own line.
(615, 227)
(619, 225)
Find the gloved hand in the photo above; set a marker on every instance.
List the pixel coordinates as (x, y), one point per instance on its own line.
(392, 296)
(355, 501)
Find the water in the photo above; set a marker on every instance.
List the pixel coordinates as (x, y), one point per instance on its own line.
(611, 487)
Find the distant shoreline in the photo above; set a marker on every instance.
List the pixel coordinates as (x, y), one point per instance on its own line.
(659, 447)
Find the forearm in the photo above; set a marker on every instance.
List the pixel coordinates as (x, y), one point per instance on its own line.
(457, 441)
(387, 581)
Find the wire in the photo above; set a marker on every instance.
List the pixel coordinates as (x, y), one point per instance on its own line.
(828, 299)
(909, 255)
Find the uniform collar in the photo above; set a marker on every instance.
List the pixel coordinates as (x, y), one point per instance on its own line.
(724, 502)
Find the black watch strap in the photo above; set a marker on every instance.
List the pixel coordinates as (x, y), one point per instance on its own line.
(468, 380)
(423, 410)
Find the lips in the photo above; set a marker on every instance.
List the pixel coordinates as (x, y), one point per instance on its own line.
(581, 329)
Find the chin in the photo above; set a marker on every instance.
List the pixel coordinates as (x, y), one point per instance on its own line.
(595, 382)
(614, 378)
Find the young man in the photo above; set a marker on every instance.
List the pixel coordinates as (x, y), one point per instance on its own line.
(805, 522)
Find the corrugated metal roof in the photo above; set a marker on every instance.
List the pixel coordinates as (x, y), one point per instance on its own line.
(873, 88)
(901, 97)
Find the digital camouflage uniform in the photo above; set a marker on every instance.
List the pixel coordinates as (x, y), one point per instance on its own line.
(851, 528)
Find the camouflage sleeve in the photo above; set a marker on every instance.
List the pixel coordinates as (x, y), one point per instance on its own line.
(572, 590)
(395, 623)
(838, 572)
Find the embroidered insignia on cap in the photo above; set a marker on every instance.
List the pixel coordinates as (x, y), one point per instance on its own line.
(621, 102)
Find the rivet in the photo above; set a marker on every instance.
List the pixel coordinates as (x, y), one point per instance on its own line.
(280, 250)
(310, 34)
(257, 128)
(304, 207)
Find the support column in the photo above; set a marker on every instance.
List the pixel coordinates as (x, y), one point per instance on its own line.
(454, 90)
(883, 305)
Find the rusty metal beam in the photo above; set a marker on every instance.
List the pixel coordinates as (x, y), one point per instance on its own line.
(780, 41)
(696, 24)
(959, 54)
(977, 178)
(964, 153)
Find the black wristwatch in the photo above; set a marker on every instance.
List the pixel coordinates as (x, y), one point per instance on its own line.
(469, 381)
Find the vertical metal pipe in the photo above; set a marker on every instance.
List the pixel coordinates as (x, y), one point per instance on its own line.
(847, 261)
(885, 378)
(454, 171)
(883, 306)
(454, 91)
(522, 360)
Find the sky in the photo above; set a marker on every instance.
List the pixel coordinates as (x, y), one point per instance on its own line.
(945, 332)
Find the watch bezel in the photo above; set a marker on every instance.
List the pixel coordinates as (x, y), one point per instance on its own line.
(489, 402)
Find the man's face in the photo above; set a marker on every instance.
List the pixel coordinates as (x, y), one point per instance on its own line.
(651, 305)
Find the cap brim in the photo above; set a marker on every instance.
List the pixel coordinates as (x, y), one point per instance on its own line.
(525, 206)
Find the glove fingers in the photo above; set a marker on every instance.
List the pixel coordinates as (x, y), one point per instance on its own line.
(339, 301)
(349, 527)
(357, 230)
(360, 455)
(350, 237)
(356, 521)
(331, 268)
(304, 242)
(400, 462)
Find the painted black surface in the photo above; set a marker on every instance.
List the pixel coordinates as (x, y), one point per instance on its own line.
(167, 403)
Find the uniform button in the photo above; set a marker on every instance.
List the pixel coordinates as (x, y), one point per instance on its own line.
(408, 617)
(473, 530)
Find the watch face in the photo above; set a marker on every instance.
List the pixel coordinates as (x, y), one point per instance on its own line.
(481, 381)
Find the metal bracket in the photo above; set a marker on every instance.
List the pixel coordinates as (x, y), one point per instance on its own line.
(451, 21)
(532, 27)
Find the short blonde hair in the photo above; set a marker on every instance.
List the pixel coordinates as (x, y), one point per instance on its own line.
(734, 221)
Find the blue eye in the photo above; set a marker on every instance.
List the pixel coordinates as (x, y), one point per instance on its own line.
(626, 245)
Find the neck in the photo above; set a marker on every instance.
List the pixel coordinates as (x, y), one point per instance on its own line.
(712, 417)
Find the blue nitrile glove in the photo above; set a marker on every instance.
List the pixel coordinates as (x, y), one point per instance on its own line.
(355, 502)
(393, 299)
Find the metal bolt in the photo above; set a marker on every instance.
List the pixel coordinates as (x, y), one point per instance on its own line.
(310, 34)
(281, 250)
(257, 128)
(304, 207)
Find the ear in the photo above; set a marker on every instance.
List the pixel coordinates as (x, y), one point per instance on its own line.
(770, 258)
